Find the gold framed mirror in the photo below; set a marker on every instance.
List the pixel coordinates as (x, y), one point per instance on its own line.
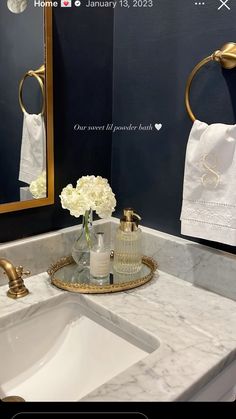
(32, 183)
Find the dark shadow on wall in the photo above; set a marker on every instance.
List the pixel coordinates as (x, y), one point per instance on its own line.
(82, 95)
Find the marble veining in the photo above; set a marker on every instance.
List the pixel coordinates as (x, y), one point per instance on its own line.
(48, 248)
(203, 266)
(196, 330)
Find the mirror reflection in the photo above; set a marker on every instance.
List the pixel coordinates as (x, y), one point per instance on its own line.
(22, 105)
(72, 274)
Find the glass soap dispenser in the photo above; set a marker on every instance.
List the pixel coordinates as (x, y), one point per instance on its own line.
(128, 244)
(100, 261)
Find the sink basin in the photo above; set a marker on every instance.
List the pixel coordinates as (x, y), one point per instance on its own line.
(64, 352)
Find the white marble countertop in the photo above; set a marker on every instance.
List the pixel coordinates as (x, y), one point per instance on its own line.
(196, 330)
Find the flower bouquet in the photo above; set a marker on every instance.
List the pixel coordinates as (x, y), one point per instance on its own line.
(38, 187)
(92, 193)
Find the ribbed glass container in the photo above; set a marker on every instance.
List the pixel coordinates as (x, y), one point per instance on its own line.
(128, 251)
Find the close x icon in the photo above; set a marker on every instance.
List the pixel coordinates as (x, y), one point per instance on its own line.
(224, 3)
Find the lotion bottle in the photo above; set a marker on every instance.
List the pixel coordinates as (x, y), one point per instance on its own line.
(100, 261)
(128, 244)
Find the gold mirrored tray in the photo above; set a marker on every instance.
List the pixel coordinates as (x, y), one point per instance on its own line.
(65, 275)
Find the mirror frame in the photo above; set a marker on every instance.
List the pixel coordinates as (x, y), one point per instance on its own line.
(49, 200)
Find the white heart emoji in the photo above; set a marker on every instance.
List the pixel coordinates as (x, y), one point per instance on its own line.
(158, 126)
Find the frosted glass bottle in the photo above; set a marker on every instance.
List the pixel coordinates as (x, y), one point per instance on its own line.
(100, 261)
(128, 244)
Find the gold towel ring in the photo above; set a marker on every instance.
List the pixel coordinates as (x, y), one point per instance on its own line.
(226, 56)
(39, 75)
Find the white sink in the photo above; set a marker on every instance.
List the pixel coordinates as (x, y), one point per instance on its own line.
(62, 354)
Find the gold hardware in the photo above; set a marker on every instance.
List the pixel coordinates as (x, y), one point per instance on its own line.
(13, 399)
(39, 74)
(17, 287)
(130, 220)
(86, 288)
(35, 203)
(20, 269)
(226, 56)
(41, 71)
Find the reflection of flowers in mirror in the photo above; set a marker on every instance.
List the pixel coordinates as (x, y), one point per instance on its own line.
(38, 187)
(17, 6)
(91, 193)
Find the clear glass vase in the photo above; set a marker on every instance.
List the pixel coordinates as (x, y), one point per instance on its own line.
(84, 242)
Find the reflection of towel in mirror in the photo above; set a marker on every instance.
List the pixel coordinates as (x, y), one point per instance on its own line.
(209, 198)
(25, 194)
(33, 148)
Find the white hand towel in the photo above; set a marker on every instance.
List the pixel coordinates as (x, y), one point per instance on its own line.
(209, 196)
(25, 194)
(33, 148)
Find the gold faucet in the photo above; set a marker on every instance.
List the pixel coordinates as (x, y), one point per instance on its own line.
(17, 287)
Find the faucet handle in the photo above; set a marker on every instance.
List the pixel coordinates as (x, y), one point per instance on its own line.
(16, 284)
(20, 271)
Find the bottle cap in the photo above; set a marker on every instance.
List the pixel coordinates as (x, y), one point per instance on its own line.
(130, 220)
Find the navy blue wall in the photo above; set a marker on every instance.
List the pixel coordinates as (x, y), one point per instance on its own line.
(154, 52)
(83, 45)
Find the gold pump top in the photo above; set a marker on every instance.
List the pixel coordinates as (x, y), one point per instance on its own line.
(130, 220)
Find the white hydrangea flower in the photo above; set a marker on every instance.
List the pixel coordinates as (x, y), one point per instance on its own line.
(38, 187)
(74, 201)
(90, 193)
